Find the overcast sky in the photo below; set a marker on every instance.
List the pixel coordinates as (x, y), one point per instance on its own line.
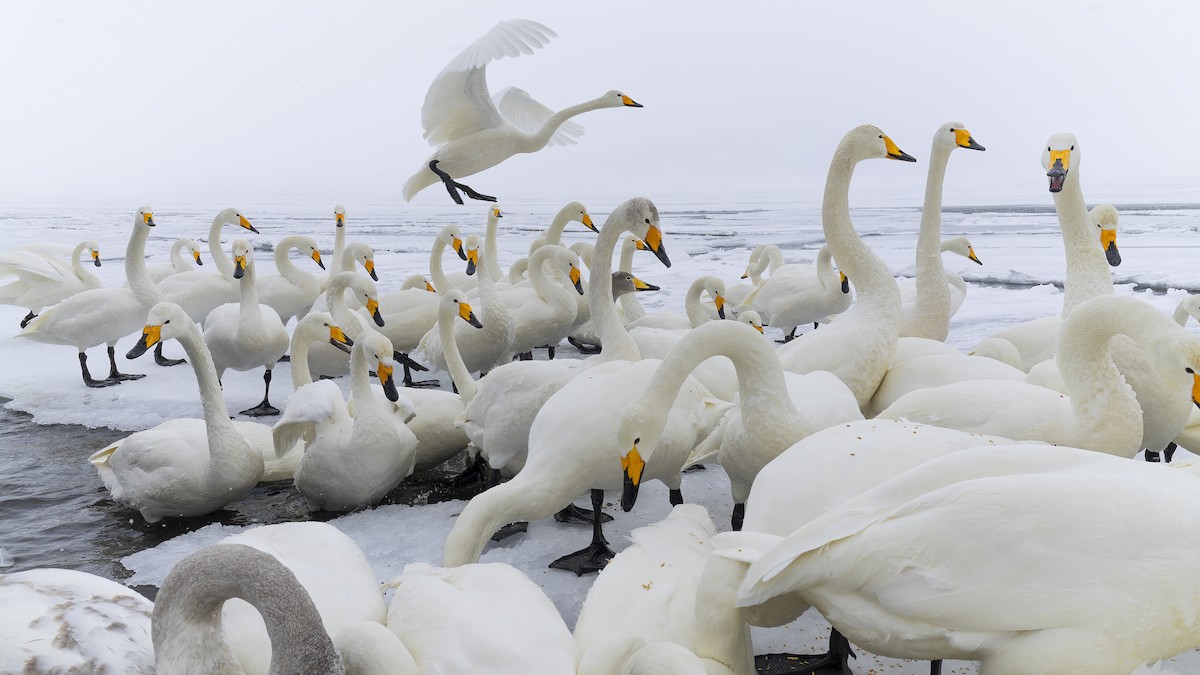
(319, 102)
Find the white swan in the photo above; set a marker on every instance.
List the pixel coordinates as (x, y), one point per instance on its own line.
(44, 280)
(473, 132)
(291, 293)
(246, 335)
(331, 568)
(1088, 275)
(858, 347)
(929, 314)
(325, 359)
(499, 414)
(544, 312)
(573, 211)
(665, 589)
(349, 461)
(176, 469)
(179, 262)
(946, 561)
(791, 300)
(695, 314)
(486, 619)
(199, 292)
(187, 625)
(922, 304)
(479, 348)
(103, 315)
(1101, 414)
(769, 415)
(63, 621)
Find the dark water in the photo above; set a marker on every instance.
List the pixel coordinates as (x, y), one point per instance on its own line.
(55, 512)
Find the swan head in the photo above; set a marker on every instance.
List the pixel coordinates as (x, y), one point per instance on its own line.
(232, 216)
(93, 250)
(755, 265)
(308, 246)
(715, 288)
(454, 239)
(637, 437)
(471, 243)
(953, 135)
(165, 321)
(869, 142)
(582, 249)
(625, 282)
(417, 281)
(363, 288)
(577, 211)
(339, 215)
(363, 255)
(745, 314)
(961, 246)
(640, 216)
(144, 216)
(378, 350)
(319, 327)
(1059, 158)
(494, 213)
(615, 99)
(194, 246)
(243, 257)
(573, 263)
(454, 302)
(1105, 217)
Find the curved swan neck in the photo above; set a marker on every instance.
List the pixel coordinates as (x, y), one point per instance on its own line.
(435, 265)
(1088, 275)
(222, 262)
(537, 141)
(301, 374)
(774, 256)
(216, 414)
(283, 262)
(825, 273)
(80, 271)
(145, 290)
(186, 628)
(454, 362)
(1098, 392)
(177, 262)
(335, 299)
(615, 341)
(554, 233)
(873, 280)
(691, 303)
(550, 290)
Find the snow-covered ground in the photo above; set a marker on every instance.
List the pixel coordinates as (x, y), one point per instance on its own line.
(1020, 248)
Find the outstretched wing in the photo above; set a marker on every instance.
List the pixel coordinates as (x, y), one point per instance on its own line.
(457, 103)
(525, 113)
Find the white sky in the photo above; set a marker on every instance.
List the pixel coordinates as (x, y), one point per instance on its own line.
(319, 102)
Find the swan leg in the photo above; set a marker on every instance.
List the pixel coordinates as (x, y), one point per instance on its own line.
(409, 366)
(475, 473)
(790, 664)
(1169, 452)
(1153, 456)
(676, 497)
(284, 359)
(573, 515)
(935, 667)
(164, 361)
(739, 514)
(265, 408)
(453, 186)
(87, 376)
(115, 376)
(597, 554)
(583, 348)
(789, 337)
(550, 352)
(28, 317)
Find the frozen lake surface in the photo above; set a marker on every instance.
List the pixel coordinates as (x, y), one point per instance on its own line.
(54, 512)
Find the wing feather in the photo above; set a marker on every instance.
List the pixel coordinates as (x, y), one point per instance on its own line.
(458, 102)
(527, 114)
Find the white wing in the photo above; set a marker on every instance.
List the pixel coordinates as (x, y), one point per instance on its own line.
(458, 103)
(525, 113)
(25, 263)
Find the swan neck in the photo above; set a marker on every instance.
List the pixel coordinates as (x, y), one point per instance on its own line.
(491, 249)
(80, 271)
(454, 362)
(872, 279)
(216, 414)
(558, 225)
(177, 262)
(1100, 397)
(186, 630)
(440, 282)
(1088, 274)
(615, 341)
(339, 249)
(301, 374)
(691, 305)
(360, 381)
(538, 140)
(335, 299)
(143, 288)
(283, 262)
(933, 294)
(220, 259)
(249, 311)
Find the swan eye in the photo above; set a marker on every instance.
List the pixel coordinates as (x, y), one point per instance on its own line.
(1072, 147)
(1047, 148)
(169, 321)
(881, 135)
(637, 440)
(952, 131)
(1190, 371)
(647, 221)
